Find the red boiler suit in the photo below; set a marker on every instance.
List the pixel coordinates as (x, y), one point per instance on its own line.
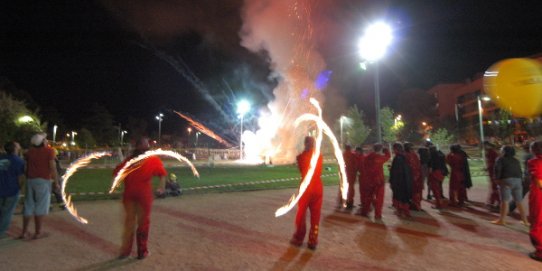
(457, 179)
(535, 204)
(312, 199)
(413, 161)
(351, 168)
(493, 197)
(361, 173)
(137, 200)
(372, 187)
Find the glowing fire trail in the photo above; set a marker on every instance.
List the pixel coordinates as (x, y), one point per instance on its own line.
(81, 162)
(200, 127)
(338, 155)
(124, 171)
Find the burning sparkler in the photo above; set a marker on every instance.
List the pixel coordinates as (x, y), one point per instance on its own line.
(322, 127)
(200, 127)
(81, 162)
(129, 166)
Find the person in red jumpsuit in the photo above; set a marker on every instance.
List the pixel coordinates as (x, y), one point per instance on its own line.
(311, 199)
(437, 172)
(372, 187)
(417, 179)
(460, 177)
(493, 201)
(360, 160)
(535, 200)
(137, 199)
(351, 168)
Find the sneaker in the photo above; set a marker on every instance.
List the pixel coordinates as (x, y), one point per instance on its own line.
(311, 246)
(141, 256)
(296, 243)
(429, 197)
(349, 206)
(535, 257)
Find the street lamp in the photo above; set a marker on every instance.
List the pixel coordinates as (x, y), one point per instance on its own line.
(372, 47)
(122, 136)
(55, 127)
(243, 107)
(479, 99)
(159, 117)
(197, 137)
(341, 122)
(25, 119)
(74, 133)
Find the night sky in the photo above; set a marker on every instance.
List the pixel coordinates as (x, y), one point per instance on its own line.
(69, 55)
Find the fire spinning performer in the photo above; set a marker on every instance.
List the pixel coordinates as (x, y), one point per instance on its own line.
(417, 180)
(372, 188)
(493, 200)
(312, 198)
(137, 199)
(460, 179)
(351, 165)
(401, 181)
(535, 200)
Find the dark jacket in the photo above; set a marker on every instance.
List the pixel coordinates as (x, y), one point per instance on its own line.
(507, 167)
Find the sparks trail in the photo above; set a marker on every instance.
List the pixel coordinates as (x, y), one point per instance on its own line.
(133, 164)
(182, 68)
(200, 127)
(322, 128)
(81, 162)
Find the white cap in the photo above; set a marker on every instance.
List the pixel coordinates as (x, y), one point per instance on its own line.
(38, 138)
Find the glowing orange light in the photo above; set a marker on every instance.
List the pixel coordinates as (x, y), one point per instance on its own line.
(81, 162)
(200, 127)
(129, 166)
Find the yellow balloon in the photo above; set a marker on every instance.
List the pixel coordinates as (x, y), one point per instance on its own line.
(516, 85)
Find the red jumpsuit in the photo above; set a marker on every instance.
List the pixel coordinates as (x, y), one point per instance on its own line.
(413, 161)
(312, 199)
(535, 204)
(351, 168)
(458, 190)
(137, 200)
(372, 187)
(361, 172)
(493, 197)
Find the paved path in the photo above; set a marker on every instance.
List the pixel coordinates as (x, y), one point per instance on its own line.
(237, 231)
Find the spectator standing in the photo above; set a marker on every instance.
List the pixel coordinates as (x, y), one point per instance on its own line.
(11, 178)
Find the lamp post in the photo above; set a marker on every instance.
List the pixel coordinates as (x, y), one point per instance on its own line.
(122, 136)
(74, 133)
(159, 117)
(372, 47)
(55, 127)
(341, 122)
(242, 108)
(479, 99)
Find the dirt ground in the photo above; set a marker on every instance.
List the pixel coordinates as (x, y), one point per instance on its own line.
(238, 231)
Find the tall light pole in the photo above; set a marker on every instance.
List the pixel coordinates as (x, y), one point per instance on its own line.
(55, 127)
(122, 136)
(242, 108)
(159, 117)
(479, 99)
(372, 47)
(74, 133)
(341, 121)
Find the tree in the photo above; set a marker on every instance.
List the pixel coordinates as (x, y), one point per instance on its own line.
(501, 125)
(354, 128)
(17, 122)
(391, 126)
(85, 139)
(441, 137)
(100, 125)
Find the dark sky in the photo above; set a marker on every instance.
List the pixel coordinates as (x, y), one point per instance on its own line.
(71, 54)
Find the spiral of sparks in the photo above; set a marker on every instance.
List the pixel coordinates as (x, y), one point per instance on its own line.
(131, 165)
(322, 127)
(81, 162)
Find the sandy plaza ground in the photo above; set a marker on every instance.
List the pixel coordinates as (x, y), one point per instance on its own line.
(238, 231)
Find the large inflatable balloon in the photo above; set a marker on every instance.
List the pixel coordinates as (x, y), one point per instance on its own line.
(516, 85)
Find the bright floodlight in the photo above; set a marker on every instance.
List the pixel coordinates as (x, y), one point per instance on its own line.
(375, 41)
(243, 107)
(26, 119)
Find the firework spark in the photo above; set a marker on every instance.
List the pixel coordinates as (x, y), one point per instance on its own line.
(81, 162)
(200, 127)
(132, 165)
(322, 127)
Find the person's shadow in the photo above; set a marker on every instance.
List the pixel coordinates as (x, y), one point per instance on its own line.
(288, 259)
(107, 265)
(373, 241)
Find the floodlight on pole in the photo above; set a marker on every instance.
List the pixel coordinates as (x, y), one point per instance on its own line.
(479, 100)
(243, 107)
(55, 127)
(372, 47)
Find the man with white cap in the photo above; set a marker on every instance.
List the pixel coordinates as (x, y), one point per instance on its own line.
(40, 174)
